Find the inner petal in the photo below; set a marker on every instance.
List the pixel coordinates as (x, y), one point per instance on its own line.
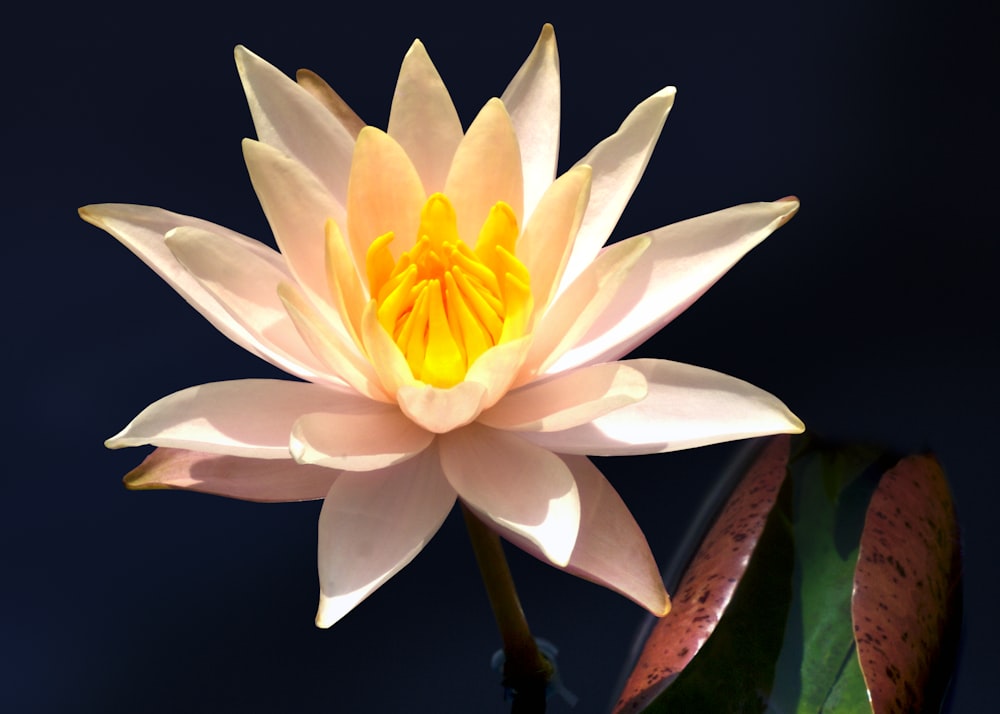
(445, 303)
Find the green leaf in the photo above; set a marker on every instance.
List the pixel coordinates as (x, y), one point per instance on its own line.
(832, 488)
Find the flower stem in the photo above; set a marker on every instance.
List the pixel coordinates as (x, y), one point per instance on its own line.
(526, 671)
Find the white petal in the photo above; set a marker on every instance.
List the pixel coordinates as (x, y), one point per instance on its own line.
(265, 480)
(141, 229)
(618, 163)
(442, 410)
(497, 368)
(297, 208)
(486, 169)
(364, 439)
(385, 194)
(246, 285)
(325, 95)
(687, 406)
(373, 524)
(568, 399)
(579, 306)
(423, 118)
(611, 549)
(245, 417)
(516, 485)
(547, 241)
(532, 100)
(335, 350)
(684, 260)
(289, 118)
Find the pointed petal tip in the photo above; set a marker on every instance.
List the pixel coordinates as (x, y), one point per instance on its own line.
(792, 208)
(663, 608)
(90, 215)
(547, 40)
(666, 98)
(138, 480)
(495, 103)
(324, 617)
(798, 426)
(118, 441)
(416, 46)
(94, 213)
(242, 55)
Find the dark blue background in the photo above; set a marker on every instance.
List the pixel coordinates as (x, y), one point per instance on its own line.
(872, 315)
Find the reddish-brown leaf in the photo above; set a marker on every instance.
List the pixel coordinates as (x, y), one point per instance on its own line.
(710, 580)
(906, 585)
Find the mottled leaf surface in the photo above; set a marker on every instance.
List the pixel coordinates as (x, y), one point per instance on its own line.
(708, 584)
(907, 588)
(838, 583)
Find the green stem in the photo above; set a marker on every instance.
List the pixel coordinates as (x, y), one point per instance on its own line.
(526, 671)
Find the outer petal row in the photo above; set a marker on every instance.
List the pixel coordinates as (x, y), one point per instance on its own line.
(371, 437)
(568, 399)
(244, 417)
(683, 261)
(266, 480)
(246, 285)
(142, 229)
(519, 487)
(618, 163)
(373, 524)
(611, 549)
(686, 407)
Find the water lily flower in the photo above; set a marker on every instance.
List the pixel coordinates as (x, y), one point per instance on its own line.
(455, 317)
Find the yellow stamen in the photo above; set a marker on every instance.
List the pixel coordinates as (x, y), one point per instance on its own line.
(445, 303)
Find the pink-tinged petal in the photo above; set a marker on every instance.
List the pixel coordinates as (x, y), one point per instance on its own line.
(517, 486)
(365, 439)
(298, 208)
(245, 417)
(442, 410)
(568, 399)
(142, 229)
(264, 480)
(618, 163)
(532, 100)
(423, 118)
(385, 194)
(291, 119)
(336, 351)
(611, 549)
(497, 368)
(581, 304)
(246, 285)
(373, 524)
(686, 407)
(486, 169)
(547, 241)
(331, 101)
(348, 293)
(684, 260)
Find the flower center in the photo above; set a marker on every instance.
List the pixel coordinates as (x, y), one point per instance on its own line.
(445, 303)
